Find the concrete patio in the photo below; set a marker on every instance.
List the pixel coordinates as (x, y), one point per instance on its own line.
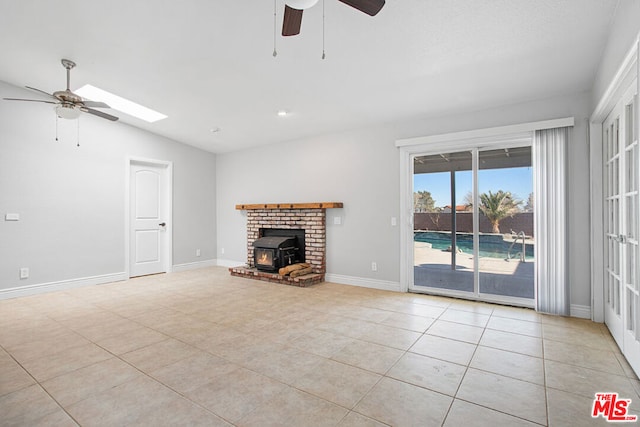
(432, 268)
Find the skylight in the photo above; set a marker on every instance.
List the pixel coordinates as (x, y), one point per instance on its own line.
(116, 102)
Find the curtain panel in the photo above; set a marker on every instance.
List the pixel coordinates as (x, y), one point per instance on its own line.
(551, 226)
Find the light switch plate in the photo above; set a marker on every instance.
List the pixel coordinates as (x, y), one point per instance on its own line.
(12, 217)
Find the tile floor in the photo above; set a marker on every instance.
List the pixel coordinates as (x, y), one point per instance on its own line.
(204, 348)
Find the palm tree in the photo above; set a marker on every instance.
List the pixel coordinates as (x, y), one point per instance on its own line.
(497, 206)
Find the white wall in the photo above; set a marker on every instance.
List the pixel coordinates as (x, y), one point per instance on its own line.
(71, 200)
(624, 31)
(361, 169)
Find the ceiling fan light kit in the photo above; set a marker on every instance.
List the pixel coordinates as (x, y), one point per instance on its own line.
(301, 4)
(66, 111)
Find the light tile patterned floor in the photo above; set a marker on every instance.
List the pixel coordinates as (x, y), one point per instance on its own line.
(204, 348)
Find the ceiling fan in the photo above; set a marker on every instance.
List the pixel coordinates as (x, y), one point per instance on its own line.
(293, 12)
(68, 104)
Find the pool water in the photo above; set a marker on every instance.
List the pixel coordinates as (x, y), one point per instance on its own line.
(491, 245)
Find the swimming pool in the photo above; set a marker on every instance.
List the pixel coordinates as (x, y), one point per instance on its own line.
(491, 245)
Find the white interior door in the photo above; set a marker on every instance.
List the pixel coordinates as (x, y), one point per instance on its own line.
(622, 226)
(149, 219)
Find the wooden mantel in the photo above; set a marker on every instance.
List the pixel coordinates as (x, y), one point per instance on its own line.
(315, 205)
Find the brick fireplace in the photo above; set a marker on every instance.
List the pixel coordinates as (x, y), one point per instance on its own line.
(307, 218)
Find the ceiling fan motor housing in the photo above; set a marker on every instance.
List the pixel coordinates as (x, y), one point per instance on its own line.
(67, 96)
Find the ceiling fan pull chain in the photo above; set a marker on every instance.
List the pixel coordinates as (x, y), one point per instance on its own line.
(275, 52)
(323, 54)
(56, 127)
(78, 135)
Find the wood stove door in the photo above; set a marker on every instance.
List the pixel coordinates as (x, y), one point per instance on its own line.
(264, 258)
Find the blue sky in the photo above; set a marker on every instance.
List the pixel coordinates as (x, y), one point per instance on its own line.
(519, 181)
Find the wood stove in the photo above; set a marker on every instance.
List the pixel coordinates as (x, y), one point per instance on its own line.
(273, 252)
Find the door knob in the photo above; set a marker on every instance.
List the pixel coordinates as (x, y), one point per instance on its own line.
(162, 224)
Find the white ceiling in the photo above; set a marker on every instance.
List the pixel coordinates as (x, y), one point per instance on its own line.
(209, 63)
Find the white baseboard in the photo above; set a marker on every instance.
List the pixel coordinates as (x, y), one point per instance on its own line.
(230, 263)
(41, 288)
(194, 265)
(384, 285)
(581, 311)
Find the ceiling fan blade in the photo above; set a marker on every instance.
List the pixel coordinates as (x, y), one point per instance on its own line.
(99, 114)
(41, 91)
(292, 21)
(29, 100)
(370, 7)
(95, 104)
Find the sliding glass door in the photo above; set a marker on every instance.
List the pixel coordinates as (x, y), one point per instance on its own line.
(473, 224)
(443, 221)
(506, 249)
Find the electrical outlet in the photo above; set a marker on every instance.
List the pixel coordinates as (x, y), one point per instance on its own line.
(374, 266)
(394, 221)
(222, 251)
(197, 252)
(24, 273)
(337, 220)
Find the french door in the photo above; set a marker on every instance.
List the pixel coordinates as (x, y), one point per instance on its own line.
(622, 225)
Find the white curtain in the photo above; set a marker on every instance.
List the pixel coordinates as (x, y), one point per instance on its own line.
(551, 227)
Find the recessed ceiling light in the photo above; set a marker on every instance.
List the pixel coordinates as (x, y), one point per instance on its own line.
(116, 102)
(282, 113)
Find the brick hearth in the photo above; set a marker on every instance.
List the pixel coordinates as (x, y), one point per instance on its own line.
(310, 217)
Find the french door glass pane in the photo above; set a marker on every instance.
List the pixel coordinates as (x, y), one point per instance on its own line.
(443, 221)
(506, 239)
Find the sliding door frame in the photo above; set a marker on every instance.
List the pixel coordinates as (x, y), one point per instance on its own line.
(476, 294)
(482, 139)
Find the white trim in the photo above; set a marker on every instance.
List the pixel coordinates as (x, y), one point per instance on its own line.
(168, 244)
(364, 282)
(581, 311)
(406, 219)
(229, 262)
(489, 298)
(596, 221)
(61, 285)
(487, 133)
(617, 86)
(194, 265)
(475, 167)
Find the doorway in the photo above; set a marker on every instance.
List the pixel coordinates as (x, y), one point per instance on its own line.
(621, 184)
(149, 239)
(473, 223)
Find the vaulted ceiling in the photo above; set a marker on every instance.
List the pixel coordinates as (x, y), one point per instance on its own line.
(209, 64)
